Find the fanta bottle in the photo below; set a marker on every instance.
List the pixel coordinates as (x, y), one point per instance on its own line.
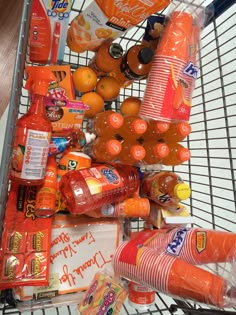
(91, 188)
(155, 129)
(178, 155)
(103, 149)
(177, 132)
(165, 188)
(107, 123)
(155, 151)
(131, 153)
(133, 127)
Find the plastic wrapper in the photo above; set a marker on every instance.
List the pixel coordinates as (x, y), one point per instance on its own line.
(24, 253)
(104, 296)
(166, 260)
(170, 85)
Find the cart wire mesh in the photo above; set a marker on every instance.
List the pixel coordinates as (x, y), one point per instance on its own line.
(211, 169)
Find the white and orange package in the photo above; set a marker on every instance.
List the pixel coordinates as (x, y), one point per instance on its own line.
(107, 20)
(104, 296)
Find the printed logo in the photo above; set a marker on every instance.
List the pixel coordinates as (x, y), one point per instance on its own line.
(201, 241)
(191, 70)
(72, 165)
(59, 8)
(89, 295)
(175, 246)
(110, 175)
(109, 299)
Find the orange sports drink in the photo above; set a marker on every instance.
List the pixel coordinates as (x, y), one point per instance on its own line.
(107, 123)
(177, 132)
(155, 151)
(133, 128)
(155, 129)
(168, 94)
(131, 153)
(178, 154)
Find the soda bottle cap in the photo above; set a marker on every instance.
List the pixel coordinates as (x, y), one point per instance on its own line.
(113, 147)
(184, 129)
(137, 152)
(161, 126)
(115, 120)
(115, 50)
(161, 150)
(145, 55)
(183, 154)
(139, 126)
(182, 191)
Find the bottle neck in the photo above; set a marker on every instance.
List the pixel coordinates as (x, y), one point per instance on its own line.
(37, 106)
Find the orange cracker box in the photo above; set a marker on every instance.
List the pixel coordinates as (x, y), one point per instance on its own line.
(106, 20)
(25, 245)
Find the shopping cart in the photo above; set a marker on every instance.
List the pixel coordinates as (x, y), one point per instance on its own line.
(211, 171)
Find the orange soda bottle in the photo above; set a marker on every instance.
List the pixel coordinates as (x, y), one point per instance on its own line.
(178, 155)
(107, 123)
(155, 129)
(165, 188)
(131, 153)
(177, 132)
(155, 151)
(133, 127)
(46, 195)
(103, 149)
(97, 186)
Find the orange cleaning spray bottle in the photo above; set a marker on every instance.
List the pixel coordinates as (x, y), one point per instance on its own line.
(33, 132)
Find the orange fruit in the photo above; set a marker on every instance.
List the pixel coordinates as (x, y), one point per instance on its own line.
(108, 88)
(130, 106)
(94, 101)
(84, 79)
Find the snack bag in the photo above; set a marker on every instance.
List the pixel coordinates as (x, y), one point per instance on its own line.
(107, 20)
(104, 296)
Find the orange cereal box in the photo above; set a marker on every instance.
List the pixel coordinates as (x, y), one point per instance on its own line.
(107, 20)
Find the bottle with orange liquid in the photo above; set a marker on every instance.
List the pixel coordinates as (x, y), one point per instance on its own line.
(106, 123)
(33, 132)
(177, 132)
(134, 66)
(91, 188)
(46, 195)
(133, 127)
(155, 151)
(165, 188)
(178, 155)
(131, 153)
(106, 58)
(103, 149)
(155, 129)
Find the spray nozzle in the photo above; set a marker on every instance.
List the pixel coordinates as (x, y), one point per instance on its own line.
(38, 79)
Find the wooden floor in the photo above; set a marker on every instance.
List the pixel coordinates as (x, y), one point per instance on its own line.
(10, 15)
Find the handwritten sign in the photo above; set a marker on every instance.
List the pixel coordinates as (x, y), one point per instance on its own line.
(79, 250)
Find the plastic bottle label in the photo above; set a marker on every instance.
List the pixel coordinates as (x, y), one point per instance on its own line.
(30, 154)
(101, 178)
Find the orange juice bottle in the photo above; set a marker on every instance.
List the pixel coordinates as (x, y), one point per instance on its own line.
(178, 154)
(46, 195)
(107, 123)
(155, 151)
(177, 132)
(103, 149)
(106, 58)
(131, 153)
(133, 127)
(155, 129)
(165, 188)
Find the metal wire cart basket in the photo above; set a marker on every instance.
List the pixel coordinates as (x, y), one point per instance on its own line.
(211, 169)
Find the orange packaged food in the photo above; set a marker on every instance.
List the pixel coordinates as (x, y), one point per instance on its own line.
(107, 20)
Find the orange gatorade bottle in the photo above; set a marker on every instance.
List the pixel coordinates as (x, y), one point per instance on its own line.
(131, 153)
(165, 188)
(107, 123)
(178, 155)
(133, 127)
(155, 129)
(177, 132)
(103, 149)
(155, 152)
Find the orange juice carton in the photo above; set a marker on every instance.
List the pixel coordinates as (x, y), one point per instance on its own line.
(25, 251)
(107, 20)
(80, 247)
(48, 28)
(164, 218)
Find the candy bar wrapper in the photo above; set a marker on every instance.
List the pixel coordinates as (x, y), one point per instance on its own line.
(24, 252)
(104, 296)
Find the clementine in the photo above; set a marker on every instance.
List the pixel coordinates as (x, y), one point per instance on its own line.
(130, 106)
(108, 88)
(94, 101)
(84, 79)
